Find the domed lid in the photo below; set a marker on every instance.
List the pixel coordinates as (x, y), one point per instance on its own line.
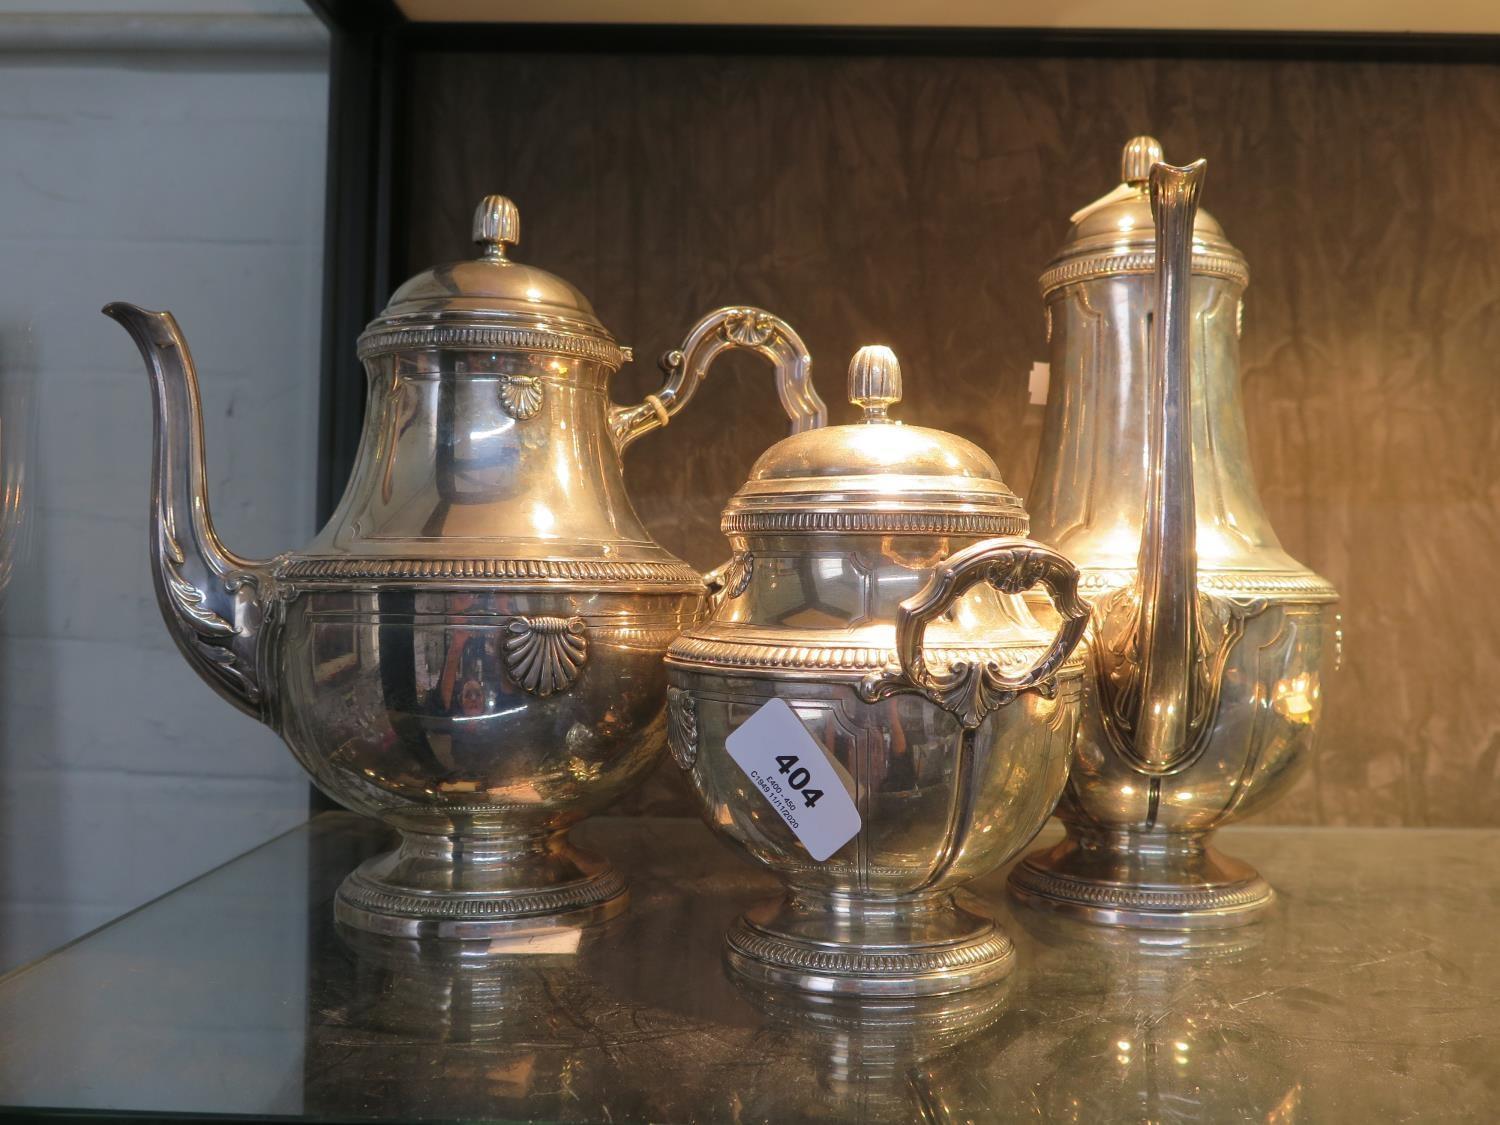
(878, 475)
(491, 302)
(1115, 234)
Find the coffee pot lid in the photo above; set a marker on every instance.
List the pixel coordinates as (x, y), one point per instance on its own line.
(491, 302)
(878, 475)
(1115, 234)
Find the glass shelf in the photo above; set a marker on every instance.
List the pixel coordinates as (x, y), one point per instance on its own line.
(1369, 993)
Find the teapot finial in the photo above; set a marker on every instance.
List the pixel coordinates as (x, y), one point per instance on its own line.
(875, 381)
(1135, 162)
(497, 225)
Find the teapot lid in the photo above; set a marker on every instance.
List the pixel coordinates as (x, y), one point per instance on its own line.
(1115, 234)
(878, 475)
(491, 302)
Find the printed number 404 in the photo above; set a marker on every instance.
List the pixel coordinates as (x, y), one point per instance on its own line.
(798, 777)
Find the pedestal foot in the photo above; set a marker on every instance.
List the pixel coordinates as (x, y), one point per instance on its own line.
(1144, 881)
(464, 889)
(852, 947)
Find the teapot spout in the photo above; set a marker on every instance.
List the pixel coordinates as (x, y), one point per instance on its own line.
(214, 602)
(1167, 567)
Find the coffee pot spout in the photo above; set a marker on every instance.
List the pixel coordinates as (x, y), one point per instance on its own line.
(1167, 594)
(214, 602)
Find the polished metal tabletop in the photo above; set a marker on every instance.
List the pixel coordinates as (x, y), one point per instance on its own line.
(1370, 992)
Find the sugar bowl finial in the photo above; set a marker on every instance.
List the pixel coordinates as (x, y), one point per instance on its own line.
(497, 225)
(1135, 162)
(875, 381)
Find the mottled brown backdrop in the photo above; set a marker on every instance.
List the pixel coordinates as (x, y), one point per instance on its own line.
(914, 200)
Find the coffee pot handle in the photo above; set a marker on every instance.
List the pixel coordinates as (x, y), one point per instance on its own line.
(971, 690)
(737, 326)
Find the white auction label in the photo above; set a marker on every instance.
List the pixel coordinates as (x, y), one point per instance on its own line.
(803, 783)
(1041, 377)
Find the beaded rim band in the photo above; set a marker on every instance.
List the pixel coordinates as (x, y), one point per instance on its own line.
(1114, 896)
(714, 654)
(930, 522)
(1110, 263)
(757, 945)
(381, 341)
(361, 892)
(521, 570)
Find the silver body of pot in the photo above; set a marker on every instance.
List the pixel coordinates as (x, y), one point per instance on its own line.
(482, 706)
(937, 810)
(1198, 611)
(471, 650)
(914, 665)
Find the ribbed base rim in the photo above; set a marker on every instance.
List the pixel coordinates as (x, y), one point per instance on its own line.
(382, 908)
(885, 970)
(1038, 883)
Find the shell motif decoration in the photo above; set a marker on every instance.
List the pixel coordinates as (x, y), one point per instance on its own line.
(750, 329)
(521, 396)
(682, 726)
(545, 655)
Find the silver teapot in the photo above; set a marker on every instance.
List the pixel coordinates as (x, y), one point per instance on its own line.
(471, 649)
(873, 593)
(1209, 641)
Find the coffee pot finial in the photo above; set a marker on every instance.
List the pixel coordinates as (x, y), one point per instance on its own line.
(497, 225)
(1136, 161)
(875, 381)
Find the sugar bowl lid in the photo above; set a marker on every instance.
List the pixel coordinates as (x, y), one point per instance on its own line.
(1115, 234)
(877, 476)
(491, 302)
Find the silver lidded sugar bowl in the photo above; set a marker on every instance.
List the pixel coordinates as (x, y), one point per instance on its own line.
(1210, 643)
(471, 649)
(873, 594)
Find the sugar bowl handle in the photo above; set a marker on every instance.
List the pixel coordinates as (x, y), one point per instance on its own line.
(972, 690)
(686, 367)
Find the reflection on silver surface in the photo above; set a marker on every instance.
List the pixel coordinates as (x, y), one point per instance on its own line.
(834, 1058)
(1147, 1052)
(1208, 644)
(868, 594)
(873, 1060)
(1365, 995)
(450, 991)
(471, 649)
(18, 423)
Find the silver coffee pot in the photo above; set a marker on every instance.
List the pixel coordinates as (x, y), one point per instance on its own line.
(872, 604)
(1209, 642)
(471, 649)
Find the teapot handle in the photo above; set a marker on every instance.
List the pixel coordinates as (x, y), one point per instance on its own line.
(737, 326)
(972, 690)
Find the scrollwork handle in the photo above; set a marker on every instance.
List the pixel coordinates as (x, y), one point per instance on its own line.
(972, 691)
(686, 367)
